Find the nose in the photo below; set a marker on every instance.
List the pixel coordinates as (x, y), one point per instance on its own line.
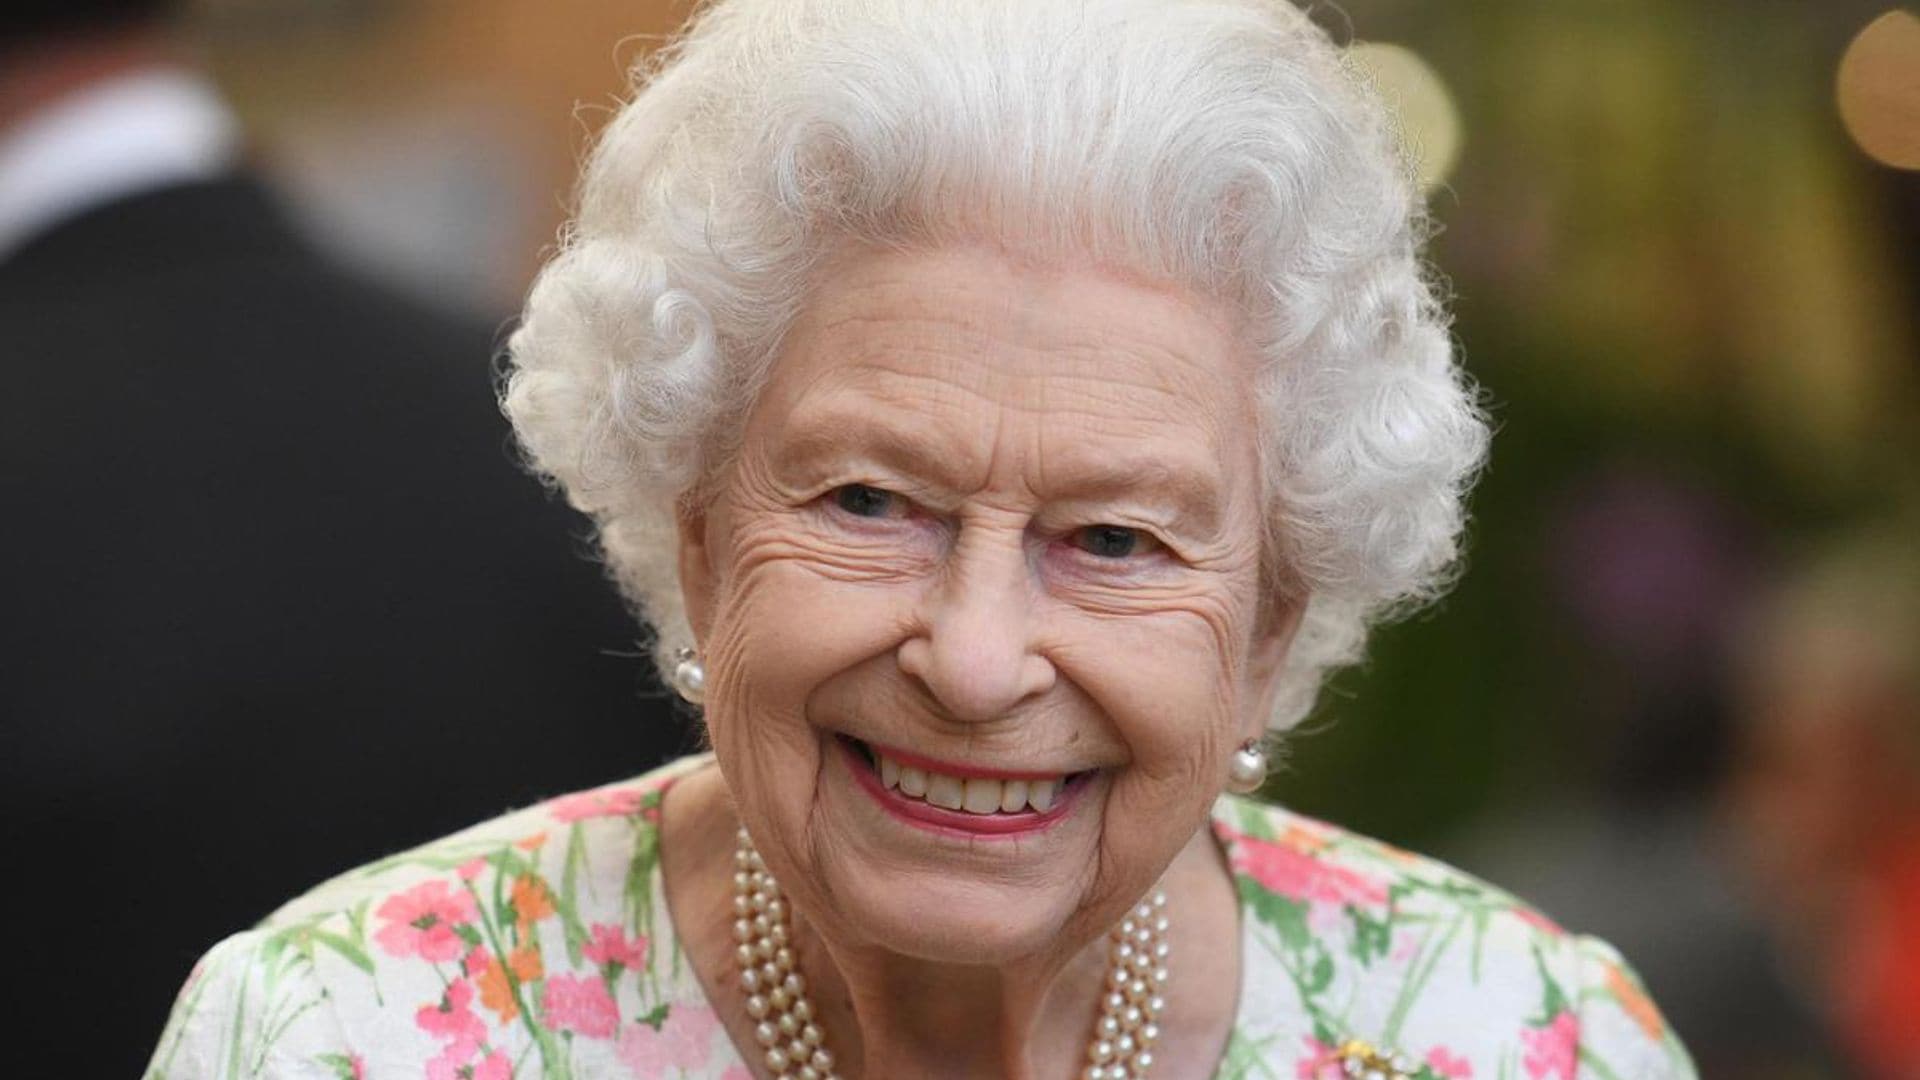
(974, 649)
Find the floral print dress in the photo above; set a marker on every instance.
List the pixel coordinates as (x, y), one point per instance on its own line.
(539, 945)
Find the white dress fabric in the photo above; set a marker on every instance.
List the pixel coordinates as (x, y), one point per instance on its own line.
(539, 944)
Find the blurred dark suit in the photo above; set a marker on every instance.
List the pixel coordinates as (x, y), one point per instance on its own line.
(276, 599)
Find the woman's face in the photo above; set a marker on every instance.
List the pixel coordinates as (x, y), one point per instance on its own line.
(999, 526)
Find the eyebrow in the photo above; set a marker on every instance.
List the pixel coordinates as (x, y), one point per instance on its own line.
(1188, 490)
(1190, 493)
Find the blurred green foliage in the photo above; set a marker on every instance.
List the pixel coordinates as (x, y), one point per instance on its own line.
(1667, 260)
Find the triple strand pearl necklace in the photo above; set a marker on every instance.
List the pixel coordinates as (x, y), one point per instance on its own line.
(788, 1029)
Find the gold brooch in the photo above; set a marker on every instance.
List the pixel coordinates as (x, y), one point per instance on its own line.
(1362, 1062)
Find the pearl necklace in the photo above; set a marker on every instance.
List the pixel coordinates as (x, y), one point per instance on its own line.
(795, 1048)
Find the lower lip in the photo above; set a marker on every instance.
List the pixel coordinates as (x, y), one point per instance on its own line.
(937, 819)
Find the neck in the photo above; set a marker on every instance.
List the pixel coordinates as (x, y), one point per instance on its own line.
(895, 1014)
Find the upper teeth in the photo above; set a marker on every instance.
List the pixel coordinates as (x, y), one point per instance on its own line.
(975, 795)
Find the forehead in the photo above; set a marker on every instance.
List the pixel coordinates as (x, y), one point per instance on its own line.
(1009, 362)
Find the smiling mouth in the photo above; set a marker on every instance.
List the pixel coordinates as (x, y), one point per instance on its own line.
(914, 779)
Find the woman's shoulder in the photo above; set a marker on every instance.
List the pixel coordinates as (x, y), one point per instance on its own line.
(1352, 942)
(612, 818)
(541, 934)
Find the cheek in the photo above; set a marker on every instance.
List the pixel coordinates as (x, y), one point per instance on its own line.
(783, 626)
(1170, 682)
(1165, 685)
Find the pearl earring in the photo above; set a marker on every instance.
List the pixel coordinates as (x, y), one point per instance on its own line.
(1248, 769)
(689, 676)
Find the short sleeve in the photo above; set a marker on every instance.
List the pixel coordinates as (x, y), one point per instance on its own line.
(1622, 1035)
(252, 1008)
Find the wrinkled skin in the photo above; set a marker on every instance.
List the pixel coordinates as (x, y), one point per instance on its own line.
(1009, 515)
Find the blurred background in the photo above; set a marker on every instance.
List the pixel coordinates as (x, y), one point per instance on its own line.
(1676, 698)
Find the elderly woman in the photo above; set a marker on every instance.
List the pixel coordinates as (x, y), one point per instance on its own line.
(1005, 413)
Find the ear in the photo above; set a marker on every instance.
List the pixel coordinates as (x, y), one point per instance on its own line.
(696, 566)
(1267, 660)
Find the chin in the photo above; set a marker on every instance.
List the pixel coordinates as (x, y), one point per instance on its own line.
(952, 920)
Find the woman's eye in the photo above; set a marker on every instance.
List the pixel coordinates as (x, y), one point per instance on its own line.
(1113, 541)
(868, 502)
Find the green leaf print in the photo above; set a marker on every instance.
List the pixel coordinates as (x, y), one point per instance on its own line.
(1288, 917)
(1426, 962)
(1319, 976)
(1371, 937)
(1553, 1000)
(637, 895)
(576, 858)
(571, 927)
(1245, 1058)
(348, 950)
(1601, 1070)
(1254, 821)
(341, 1064)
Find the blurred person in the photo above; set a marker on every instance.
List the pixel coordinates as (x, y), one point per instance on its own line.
(1643, 572)
(1825, 797)
(1006, 413)
(273, 594)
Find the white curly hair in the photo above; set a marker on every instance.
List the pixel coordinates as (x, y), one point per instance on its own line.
(1227, 146)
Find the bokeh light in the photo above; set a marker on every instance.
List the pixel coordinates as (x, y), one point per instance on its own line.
(1879, 90)
(1429, 120)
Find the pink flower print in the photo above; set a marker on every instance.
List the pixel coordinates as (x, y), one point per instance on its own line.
(455, 1061)
(1445, 1063)
(471, 868)
(359, 1066)
(453, 1057)
(1322, 1062)
(477, 961)
(1553, 1049)
(610, 945)
(582, 1004)
(684, 1042)
(602, 802)
(452, 1017)
(420, 921)
(1298, 875)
